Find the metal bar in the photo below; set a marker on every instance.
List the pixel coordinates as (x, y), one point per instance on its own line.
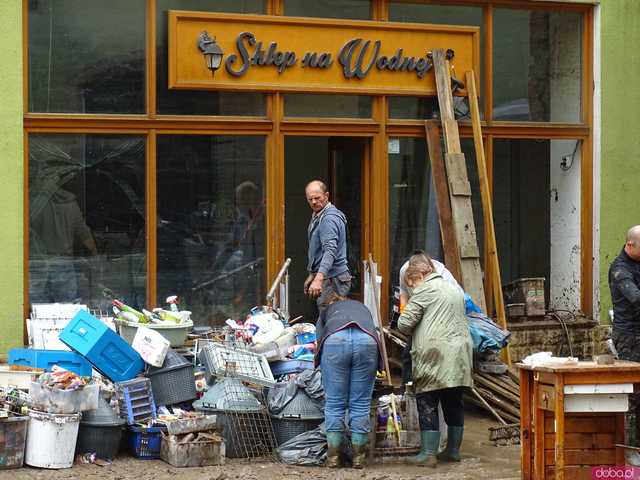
(277, 281)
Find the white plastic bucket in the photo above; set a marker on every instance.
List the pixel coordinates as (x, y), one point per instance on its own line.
(51, 439)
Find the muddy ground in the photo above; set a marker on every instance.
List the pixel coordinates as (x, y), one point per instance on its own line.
(480, 460)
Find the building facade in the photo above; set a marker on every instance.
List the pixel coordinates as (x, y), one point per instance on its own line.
(121, 181)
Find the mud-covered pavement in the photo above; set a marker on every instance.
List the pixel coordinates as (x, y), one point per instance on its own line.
(480, 460)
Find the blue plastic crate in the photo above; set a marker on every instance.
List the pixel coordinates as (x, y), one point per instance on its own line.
(284, 367)
(144, 442)
(109, 353)
(46, 359)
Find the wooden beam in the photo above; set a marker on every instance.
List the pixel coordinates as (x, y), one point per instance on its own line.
(462, 212)
(438, 171)
(487, 208)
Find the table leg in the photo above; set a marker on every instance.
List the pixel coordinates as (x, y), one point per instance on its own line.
(538, 424)
(525, 423)
(559, 417)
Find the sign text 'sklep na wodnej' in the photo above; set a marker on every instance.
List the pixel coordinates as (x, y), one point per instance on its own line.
(356, 58)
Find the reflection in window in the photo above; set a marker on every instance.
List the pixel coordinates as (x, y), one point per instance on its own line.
(87, 56)
(413, 210)
(87, 219)
(421, 108)
(336, 106)
(537, 65)
(352, 9)
(210, 243)
(182, 102)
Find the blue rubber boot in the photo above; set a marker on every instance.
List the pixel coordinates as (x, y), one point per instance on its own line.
(334, 441)
(454, 440)
(359, 446)
(428, 450)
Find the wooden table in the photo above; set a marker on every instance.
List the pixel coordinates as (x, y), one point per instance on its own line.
(575, 441)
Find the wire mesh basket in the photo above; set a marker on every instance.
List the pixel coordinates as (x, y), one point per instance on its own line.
(238, 397)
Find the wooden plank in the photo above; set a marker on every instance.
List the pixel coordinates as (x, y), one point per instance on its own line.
(583, 424)
(510, 418)
(540, 426)
(546, 397)
(494, 387)
(582, 440)
(458, 184)
(462, 212)
(438, 170)
(599, 456)
(502, 380)
(494, 399)
(487, 207)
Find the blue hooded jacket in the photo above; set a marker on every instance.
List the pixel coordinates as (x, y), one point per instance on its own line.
(327, 235)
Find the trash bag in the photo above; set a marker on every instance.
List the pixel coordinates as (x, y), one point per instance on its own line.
(310, 448)
(486, 335)
(470, 306)
(311, 381)
(282, 393)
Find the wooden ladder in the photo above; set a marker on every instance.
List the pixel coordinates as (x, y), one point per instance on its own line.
(453, 191)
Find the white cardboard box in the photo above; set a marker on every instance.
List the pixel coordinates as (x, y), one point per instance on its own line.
(151, 346)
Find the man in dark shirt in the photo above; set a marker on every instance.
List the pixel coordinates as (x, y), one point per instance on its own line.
(624, 283)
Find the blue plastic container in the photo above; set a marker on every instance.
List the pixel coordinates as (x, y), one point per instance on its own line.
(284, 367)
(46, 359)
(107, 351)
(144, 442)
(304, 338)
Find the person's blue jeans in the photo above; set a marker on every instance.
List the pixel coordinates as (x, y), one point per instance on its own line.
(348, 364)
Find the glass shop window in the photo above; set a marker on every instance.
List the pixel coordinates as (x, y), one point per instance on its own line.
(87, 219)
(537, 66)
(413, 209)
(351, 9)
(87, 56)
(192, 102)
(327, 106)
(424, 108)
(536, 198)
(211, 224)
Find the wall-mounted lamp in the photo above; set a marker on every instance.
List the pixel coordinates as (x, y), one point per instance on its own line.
(211, 50)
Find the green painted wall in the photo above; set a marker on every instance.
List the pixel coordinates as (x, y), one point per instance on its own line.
(11, 176)
(620, 154)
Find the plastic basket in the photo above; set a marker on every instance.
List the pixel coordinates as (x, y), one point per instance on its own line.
(145, 442)
(136, 400)
(103, 440)
(176, 334)
(174, 382)
(285, 428)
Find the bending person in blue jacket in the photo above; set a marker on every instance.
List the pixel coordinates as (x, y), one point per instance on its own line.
(327, 235)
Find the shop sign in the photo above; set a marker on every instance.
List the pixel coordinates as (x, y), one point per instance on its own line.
(267, 53)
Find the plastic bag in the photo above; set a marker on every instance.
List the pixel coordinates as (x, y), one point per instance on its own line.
(308, 380)
(310, 448)
(486, 335)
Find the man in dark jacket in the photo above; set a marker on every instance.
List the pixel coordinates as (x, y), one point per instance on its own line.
(624, 283)
(327, 256)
